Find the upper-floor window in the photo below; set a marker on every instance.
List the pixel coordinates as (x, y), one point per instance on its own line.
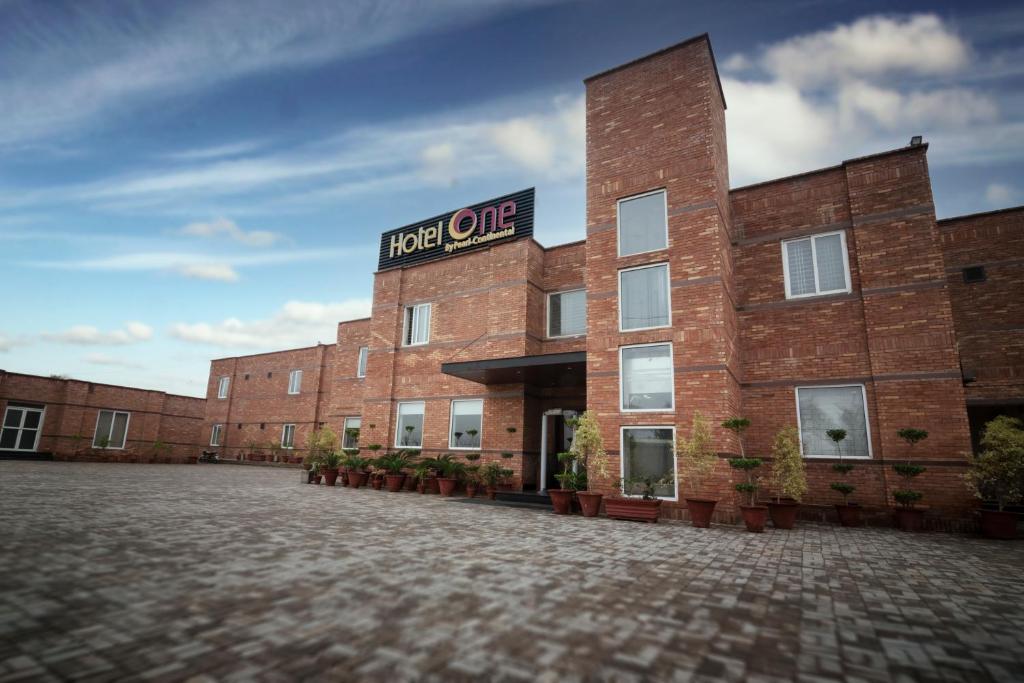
(294, 381)
(215, 435)
(111, 429)
(222, 387)
(417, 325)
(466, 424)
(364, 352)
(820, 409)
(644, 298)
(21, 428)
(288, 436)
(816, 265)
(646, 377)
(350, 436)
(643, 223)
(567, 313)
(409, 425)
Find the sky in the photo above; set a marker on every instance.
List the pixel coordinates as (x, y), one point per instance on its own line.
(193, 180)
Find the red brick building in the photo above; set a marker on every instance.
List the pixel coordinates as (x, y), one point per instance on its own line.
(831, 299)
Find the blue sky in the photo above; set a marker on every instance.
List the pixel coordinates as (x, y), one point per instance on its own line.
(191, 180)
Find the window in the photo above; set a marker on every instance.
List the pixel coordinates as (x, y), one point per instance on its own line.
(820, 409)
(409, 428)
(417, 325)
(215, 435)
(644, 298)
(21, 428)
(649, 453)
(646, 377)
(816, 265)
(567, 313)
(643, 223)
(288, 436)
(222, 387)
(350, 435)
(361, 363)
(111, 429)
(466, 424)
(294, 381)
(974, 274)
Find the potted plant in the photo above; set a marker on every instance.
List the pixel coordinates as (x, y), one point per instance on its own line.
(450, 470)
(561, 499)
(329, 464)
(754, 515)
(997, 475)
(909, 517)
(492, 475)
(697, 461)
(393, 464)
(356, 465)
(788, 478)
(275, 452)
(590, 457)
(849, 513)
(639, 500)
(472, 474)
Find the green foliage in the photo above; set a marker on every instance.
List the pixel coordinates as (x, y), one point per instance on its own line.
(997, 473)
(510, 430)
(507, 455)
(747, 488)
(696, 454)
(843, 488)
(448, 467)
(394, 463)
(738, 425)
(837, 435)
(911, 435)
(788, 477)
(588, 448)
(353, 461)
(320, 441)
(472, 457)
(745, 464)
(907, 470)
(493, 474)
(907, 498)
(374, 447)
(331, 460)
(645, 487)
(103, 442)
(161, 447)
(842, 467)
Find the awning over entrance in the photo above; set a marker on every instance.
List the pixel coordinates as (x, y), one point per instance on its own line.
(544, 370)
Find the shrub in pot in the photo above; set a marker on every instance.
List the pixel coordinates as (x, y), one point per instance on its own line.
(639, 500)
(393, 464)
(561, 498)
(754, 515)
(319, 442)
(997, 475)
(849, 513)
(329, 463)
(589, 458)
(493, 474)
(450, 470)
(697, 460)
(356, 466)
(908, 517)
(788, 478)
(472, 474)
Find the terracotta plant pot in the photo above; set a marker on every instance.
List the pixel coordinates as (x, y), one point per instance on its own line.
(356, 479)
(561, 500)
(701, 510)
(491, 492)
(432, 485)
(471, 490)
(754, 516)
(783, 514)
(411, 483)
(331, 477)
(318, 477)
(377, 482)
(394, 482)
(909, 519)
(421, 487)
(849, 515)
(447, 486)
(590, 503)
(634, 509)
(344, 477)
(999, 524)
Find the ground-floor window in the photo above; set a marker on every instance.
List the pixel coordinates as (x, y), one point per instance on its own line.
(288, 436)
(111, 429)
(350, 435)
(649, 454)
(647, 377)
(466, 424)
(215, 435)
(820, 409)
(21, 428)
(409, 427)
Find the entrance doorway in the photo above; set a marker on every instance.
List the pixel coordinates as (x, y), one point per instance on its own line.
(555, 437)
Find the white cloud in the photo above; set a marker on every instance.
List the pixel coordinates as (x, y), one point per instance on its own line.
(230, 229)
(88, 335)
(1000, 195)
(526, 142)
(215, 152)
(104, 359)
(220, 272)
(297, 323)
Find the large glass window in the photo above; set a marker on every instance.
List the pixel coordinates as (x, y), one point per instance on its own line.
(466, 424)
(643, 223)
(567, 313)
(215, 435)
(646, 378)
(364, 351)
(648, 453)
(820, 409)
(417, 324)
(409, 427)
(222, 387)
(111, 429)
(294, 381)
(816, 265)
(21, 428)
(288, 436)
(644, 298)
(350, 437)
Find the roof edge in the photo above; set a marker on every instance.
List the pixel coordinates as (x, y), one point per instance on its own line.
(981, 214)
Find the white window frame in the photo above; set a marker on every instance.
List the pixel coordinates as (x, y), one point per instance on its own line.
(814, 265)
(398, 424)
(547, 314)
(867, 420)
(127, 425)
(407, 321)
(345, 428)
(622, 458)
(451, 424)
(284, 430)
(215, 434)
(668, 295)
(294, 378)
(618, 223)
(363, 360)
(622, 384)
(21, 427)
(223, 386)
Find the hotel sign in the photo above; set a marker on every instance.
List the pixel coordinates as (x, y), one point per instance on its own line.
(474, 227)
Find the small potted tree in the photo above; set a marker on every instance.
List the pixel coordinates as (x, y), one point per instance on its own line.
(997, 475)
(639, 500)
(697, 462)
(472, 474)
(493, 474)
(330, 461)
(450, 471)
(588, 454)
(849, 513)
(561, 499)
(754, 515)
(393, 465)
(356, 466)
(788, 478)
(909, 517)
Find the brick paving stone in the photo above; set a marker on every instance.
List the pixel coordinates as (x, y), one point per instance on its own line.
(208, 573)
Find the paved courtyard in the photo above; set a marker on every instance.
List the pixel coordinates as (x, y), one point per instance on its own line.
(213, 572)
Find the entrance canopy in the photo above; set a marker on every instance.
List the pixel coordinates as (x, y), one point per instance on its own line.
(544, 370)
